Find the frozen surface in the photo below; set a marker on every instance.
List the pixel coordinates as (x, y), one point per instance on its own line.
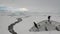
(24, 26)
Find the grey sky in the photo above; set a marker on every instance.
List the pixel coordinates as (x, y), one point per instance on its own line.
(34, 5)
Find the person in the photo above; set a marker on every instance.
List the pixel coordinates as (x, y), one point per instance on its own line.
(49, 19)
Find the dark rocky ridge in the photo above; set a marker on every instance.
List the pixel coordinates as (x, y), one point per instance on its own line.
(11, 26)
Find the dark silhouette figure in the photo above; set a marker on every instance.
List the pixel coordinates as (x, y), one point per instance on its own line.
(35, 25)
(46, 29)
(57, 28)
(10, 27)
(49, 19)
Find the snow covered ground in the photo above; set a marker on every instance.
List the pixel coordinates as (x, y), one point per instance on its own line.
(24, 26)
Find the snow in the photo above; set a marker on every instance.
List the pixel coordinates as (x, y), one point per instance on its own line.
(24, 26)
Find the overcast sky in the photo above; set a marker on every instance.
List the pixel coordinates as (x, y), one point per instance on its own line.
(34, 5)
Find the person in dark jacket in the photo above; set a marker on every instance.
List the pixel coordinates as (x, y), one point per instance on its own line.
(49, 19)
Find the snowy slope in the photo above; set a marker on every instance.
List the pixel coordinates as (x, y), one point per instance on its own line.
(24, 26)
